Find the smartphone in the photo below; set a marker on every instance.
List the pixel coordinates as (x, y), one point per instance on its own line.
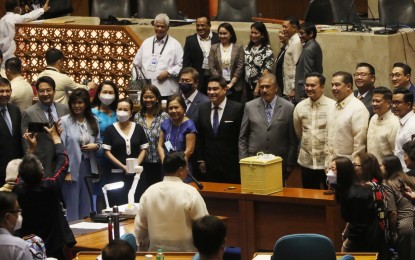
(36, 127)
(401, 185)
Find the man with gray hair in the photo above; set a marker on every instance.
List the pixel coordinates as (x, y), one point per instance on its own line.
(160, 58)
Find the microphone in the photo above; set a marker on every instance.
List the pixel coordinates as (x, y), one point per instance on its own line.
(199, 185)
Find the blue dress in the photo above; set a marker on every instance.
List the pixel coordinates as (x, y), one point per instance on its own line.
(177, 137)
(177, 134)
(104, 120)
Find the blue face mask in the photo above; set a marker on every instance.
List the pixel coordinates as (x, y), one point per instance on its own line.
(185, 87)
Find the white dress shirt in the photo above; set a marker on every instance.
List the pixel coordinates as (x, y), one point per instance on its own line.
(346, 128)
(310, 122)
(171, 59)
(381, 134)
(292, 54)
(165, 215)
(22, 93)
(8, 30)
(405, 133)
(220, 110)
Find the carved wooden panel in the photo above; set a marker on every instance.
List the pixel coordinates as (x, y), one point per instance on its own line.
(91, 52)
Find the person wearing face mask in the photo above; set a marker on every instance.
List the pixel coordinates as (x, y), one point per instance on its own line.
(40, 197)
(150, 117)
(188, 84)
(11, 247)
(104, 106)
(123, 139)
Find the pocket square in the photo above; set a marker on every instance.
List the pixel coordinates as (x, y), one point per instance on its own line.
(228, 121)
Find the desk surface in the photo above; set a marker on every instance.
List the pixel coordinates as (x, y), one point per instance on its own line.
(92, 255)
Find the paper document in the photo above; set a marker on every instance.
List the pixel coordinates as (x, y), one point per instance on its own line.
(89, 225)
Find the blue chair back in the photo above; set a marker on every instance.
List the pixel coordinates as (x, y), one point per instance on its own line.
(130, 238)
(304, 247)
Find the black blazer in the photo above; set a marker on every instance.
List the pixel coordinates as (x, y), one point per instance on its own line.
(367, 100)
(10, 145)
(193, 54)
(220, 152)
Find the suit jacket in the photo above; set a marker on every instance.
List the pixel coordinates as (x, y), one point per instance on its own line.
(311, 60)
(45, 149)
(237, 63)
(220, 152)
(193, 55)
(367, 100)
(10, 145)
(70, 139)
(193, 111)
(276, 138)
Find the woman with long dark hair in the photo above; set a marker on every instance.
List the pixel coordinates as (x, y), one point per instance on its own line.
(362, 233)
(150, 117)
(80, 136)
(227, 60)
(259, 58)
(400, 210)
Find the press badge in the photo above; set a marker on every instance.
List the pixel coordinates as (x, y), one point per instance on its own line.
(226, 74)
(169, 147)
(153, 63)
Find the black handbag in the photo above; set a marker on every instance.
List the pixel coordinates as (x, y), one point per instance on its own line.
(137, 84)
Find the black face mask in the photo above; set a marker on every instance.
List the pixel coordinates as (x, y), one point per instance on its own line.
(185, 87)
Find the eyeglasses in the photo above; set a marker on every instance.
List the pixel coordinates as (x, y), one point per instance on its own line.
(357, 165)
(362, 74)
(397, 102)
(395, 75)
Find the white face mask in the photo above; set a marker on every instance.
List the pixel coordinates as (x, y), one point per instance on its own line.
(107, 99)
(331, 177)
(123, 116)
(18, 222)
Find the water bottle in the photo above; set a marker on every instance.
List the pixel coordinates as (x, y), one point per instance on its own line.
(160, 255)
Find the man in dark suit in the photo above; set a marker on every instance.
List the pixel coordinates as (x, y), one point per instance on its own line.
(267, 126)
(401, 77)
(364, 79)
(45, 111)
(196, 50)
(10, 133)
(311, 59)
(188, 82)
(218, 134)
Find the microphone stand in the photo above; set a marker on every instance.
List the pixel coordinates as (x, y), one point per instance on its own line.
(198, 184)
(349, 12)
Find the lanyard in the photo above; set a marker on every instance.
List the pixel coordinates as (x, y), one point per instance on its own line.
(164, 46)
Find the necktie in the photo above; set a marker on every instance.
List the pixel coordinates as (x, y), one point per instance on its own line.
(268, 112)
(360, 97)
(6, 119)
(50, 117)
(215, 120)
(188, 103)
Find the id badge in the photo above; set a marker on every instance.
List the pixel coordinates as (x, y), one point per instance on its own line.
(205, 64)
(226, 74)
(153, 63)
(169, 146)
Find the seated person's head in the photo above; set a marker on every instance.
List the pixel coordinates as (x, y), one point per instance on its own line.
(9, 211)
(118, 250)
(31, 170)
(12, 170)
(175, 164)
(209, 234)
